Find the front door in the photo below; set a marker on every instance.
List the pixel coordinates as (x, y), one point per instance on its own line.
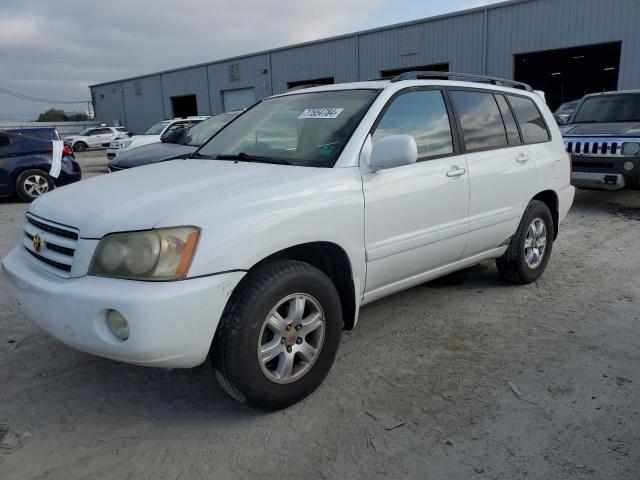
(415, 215)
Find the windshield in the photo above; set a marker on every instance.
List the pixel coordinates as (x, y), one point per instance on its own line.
(609, 108)
(203, 131)
(85, 132)
(567, 107)
(305, 129)
(157, 128)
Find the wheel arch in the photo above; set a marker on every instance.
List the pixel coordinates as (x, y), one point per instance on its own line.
(550, 199)
(333, 261)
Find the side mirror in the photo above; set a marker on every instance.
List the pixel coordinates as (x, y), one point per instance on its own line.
(393, 151)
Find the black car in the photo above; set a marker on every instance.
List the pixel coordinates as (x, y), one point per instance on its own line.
(564, 112)
(603, 139)
(186, 142)
(25, 163)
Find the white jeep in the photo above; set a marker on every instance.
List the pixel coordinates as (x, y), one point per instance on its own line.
(260, 249)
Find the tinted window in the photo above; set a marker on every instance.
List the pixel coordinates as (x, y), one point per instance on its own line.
(480, 119)
(423, 115)
(4, 140)
(513, 136)
(532, 126)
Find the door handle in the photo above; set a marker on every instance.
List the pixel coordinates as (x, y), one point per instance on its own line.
(522, 158)
(456, 171)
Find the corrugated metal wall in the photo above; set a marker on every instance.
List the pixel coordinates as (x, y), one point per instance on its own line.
(142, 103)
(337, 59)
(190, 81)
(550, 24)
(483, 40)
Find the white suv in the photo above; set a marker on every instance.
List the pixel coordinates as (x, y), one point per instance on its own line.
(152, 135)
(260, 249)
(96, 137)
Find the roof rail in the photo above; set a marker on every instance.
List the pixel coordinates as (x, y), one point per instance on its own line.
(467, 77)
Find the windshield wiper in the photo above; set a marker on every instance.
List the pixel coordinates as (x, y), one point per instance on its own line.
(199, 155)
(243, 157)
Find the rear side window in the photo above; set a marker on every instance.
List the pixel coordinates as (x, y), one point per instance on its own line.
(513, 136)
(532, 125)
(480, 119)
(423, 115)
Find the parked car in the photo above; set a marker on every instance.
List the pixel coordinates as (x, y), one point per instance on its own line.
(25, 163)
(564, 112)
(95, 137)
(261, 248)
(186, 142)
(43, 133)
(152, 135)
(603, 138)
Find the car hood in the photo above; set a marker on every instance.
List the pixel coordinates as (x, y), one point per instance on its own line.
(152, 153)
(141, 139)
(622, 129)
(168, 193)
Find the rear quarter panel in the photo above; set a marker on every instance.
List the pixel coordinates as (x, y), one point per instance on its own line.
(554, 165)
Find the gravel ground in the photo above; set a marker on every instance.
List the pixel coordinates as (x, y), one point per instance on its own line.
(464, 377)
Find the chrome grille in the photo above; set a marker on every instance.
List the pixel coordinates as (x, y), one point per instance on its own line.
(585, 146)
(57, 245)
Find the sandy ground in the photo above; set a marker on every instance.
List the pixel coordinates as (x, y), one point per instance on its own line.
(460, 378)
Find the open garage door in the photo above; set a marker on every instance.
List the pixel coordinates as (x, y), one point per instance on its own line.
(570, 73)
(238, 99)
(184, 106)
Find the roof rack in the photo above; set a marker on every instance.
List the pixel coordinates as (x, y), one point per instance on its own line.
(468, 77)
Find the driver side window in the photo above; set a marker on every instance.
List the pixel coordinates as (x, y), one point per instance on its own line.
(423, 115)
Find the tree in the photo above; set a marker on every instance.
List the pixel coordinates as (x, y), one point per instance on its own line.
(78, 117)
(53, 115)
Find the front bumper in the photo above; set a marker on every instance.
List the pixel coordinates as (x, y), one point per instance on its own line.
(112, 153)
(605, 172)
(598, 180)
(171, 324)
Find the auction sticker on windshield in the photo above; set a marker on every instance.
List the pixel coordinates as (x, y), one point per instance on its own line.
(320, 113)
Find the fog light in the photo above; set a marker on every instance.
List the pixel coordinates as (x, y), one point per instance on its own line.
(627, 166)
(117, 324)
(631, 148)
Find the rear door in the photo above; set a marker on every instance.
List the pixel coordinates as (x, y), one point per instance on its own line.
(416, 215)
(502, 175)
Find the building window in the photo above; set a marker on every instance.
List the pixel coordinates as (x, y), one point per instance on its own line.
(234, 71)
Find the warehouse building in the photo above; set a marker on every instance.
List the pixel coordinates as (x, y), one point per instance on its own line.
(565, 47)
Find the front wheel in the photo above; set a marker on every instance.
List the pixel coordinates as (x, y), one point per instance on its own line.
(79, 147)
(278, 336)
(528, 254)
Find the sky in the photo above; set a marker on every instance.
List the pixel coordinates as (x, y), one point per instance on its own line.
(55, 49)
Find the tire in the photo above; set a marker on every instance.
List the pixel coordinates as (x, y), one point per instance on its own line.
(33, 183)
(520, 264)
(79, 147)
(244, 330)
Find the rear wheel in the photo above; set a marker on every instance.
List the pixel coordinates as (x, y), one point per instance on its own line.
(33, 183)
(278, 336)
(528, 254)
(79, 147)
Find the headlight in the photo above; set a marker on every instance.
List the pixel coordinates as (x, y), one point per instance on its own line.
(162, 254)
(125, 143)
(631, 148)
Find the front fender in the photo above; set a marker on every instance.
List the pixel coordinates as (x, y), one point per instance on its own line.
(237, 237)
